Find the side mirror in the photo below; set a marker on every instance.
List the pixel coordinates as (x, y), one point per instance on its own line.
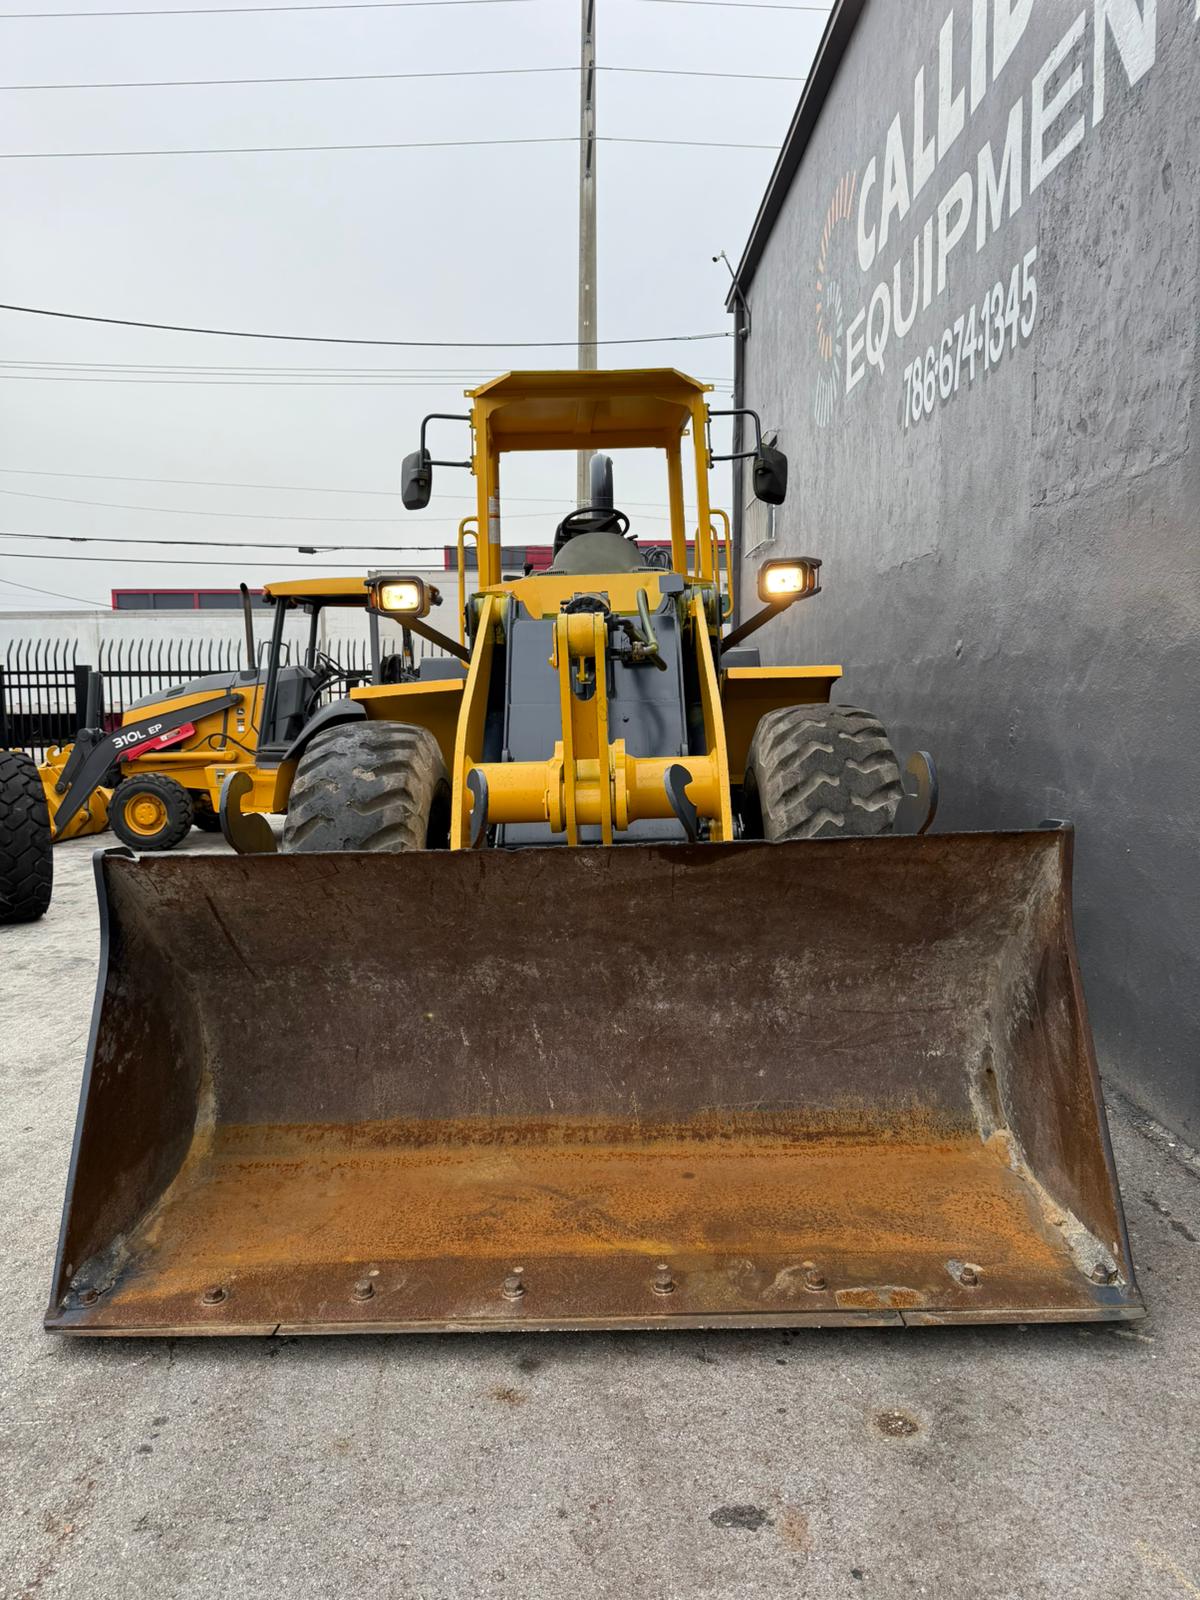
(770, 475)
(416, 480)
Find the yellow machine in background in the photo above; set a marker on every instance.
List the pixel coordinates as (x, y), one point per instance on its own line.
(591, 986)
(162, 771)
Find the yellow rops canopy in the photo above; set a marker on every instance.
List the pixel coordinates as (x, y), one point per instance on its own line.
(640, 408)
(329, 591)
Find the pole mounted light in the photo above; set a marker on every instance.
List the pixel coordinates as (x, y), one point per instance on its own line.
(587, 214)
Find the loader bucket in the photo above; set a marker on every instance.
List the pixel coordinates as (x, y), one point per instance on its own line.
(92, 815)
(683, 1086)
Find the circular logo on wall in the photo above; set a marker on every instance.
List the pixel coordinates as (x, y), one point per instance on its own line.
(834, 261)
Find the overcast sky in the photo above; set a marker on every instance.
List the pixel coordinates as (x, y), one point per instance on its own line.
(455, 244)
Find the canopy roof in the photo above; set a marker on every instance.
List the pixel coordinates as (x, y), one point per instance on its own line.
(329, 591)
(573, 410)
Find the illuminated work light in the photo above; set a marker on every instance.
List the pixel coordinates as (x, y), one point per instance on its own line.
(780, 582)
(402, 597)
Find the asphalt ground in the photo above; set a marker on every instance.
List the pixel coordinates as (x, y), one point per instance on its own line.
(1007, 1463)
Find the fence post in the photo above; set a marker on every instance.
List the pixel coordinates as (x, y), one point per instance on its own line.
(80, 676)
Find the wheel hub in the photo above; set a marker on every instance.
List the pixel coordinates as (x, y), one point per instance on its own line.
(146, 814)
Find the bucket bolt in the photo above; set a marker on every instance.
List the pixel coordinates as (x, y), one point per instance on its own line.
(364, 1289)
(87, 1296)
(814, 1278)
(663, 1282)
(968, 1276)
(214, 1295)
(513, 1286)
(1103, 1273)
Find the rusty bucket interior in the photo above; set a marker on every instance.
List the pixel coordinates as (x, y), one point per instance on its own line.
(825, 1083)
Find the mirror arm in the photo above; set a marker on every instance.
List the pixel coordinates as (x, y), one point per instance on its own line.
(441, 416)
(740, 455)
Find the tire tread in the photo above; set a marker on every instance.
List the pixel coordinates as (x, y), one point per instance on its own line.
(26, 842)
(375, 787)
(181, 811)
(820, 772)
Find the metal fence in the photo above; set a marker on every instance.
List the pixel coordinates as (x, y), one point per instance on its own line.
(135, 668)
(43, 690)
(43, 683)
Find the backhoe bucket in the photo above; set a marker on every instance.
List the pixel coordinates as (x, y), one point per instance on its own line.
(683, 1086)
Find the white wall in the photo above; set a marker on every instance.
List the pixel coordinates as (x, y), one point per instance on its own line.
(88, 629)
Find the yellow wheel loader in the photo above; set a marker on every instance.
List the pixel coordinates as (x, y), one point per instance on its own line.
(163, 770)
(592, 986)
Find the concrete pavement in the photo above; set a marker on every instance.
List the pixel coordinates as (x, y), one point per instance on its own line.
(1006, 1463)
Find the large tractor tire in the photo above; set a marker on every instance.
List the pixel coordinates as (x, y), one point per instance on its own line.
(820, 772)
(369, 786)
(151, 813)
(26, 843)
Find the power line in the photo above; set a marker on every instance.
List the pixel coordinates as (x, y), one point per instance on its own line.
(258, 516)
(469, 375)
(339, 77)
(391, 344)
(392, 77)
(193, 561)
(364, 5)
(690, 144)
(217, 380)
(691, 72)
(413, 551)
(56, 594)
(740, 5)
(291, 488)
(360, 5)
(233, 383)
(322, 149)
(207, 11)
(451, 374)
(274, 149)
(184, 511)
(239, 383)
(207, 483)
(220, 544)
(265, 516)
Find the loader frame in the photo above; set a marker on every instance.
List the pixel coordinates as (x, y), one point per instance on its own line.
(591, 780)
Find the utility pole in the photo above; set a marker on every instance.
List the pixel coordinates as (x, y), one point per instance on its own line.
(587, 214)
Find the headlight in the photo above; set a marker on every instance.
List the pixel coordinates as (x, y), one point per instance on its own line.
(780, 582)
(401, 597)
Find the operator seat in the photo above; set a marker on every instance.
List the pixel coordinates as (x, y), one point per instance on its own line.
(598, 552)
(593, 540)
(294, 692)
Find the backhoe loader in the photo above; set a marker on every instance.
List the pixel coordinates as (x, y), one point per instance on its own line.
(592, 986)
(161, 771)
